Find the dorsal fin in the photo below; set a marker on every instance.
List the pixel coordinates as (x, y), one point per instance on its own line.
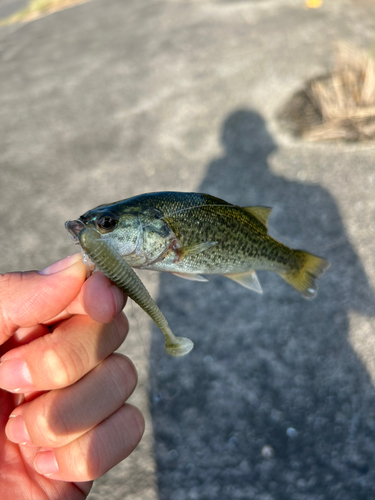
(260, 213)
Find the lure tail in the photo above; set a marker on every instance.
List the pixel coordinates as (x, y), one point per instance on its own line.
(303, 277)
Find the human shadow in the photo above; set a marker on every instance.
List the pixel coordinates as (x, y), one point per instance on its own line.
(272, 403)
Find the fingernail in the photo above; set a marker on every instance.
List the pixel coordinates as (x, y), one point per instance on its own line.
(15, 375)
(16, 430)
(45, 463)
(63, 264)
(118, 297)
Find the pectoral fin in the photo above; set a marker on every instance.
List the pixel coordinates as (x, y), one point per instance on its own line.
(191, 277)
(196, 248)
(248, 280)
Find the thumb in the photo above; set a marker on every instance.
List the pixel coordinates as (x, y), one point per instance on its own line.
(31, 298)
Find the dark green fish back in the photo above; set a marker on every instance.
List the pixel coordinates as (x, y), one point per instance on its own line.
(196, 218)
(167, 202)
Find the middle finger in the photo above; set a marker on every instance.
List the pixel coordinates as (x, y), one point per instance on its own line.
(62, 357)
(59, 417)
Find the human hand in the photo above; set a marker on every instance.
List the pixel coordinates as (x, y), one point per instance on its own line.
(63, 421)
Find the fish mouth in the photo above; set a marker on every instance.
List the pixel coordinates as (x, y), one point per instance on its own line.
(74, 227)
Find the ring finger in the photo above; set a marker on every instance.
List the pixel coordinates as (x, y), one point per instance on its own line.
(61, 416)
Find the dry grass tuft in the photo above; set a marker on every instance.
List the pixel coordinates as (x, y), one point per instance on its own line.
(337, 106)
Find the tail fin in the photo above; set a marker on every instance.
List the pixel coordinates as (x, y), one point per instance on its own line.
(309, 269)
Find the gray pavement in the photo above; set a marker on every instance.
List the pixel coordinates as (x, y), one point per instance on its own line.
(110, 99)
(9, 7)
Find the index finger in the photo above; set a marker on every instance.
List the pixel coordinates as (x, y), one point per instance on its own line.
(99, 298)
(30, 298)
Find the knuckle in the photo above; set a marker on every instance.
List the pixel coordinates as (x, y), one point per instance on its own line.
(139, 423)
(132, 425)
(17, 306)
(55, 368)
(9, 283)
(60, 363)
(120, 328)
(124, 374)
(47, 431)
(84, 469)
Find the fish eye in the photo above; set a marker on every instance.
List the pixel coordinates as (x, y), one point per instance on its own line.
(106, 223)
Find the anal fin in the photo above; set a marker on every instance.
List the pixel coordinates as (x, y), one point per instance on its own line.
(248, 280)
(191, 277)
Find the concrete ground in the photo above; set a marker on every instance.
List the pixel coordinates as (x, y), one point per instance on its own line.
(9, 7)
(114, 98)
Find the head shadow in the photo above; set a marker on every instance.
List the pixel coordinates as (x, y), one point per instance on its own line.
(272, 400)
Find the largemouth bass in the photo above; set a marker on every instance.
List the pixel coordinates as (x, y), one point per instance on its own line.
(188, 234)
